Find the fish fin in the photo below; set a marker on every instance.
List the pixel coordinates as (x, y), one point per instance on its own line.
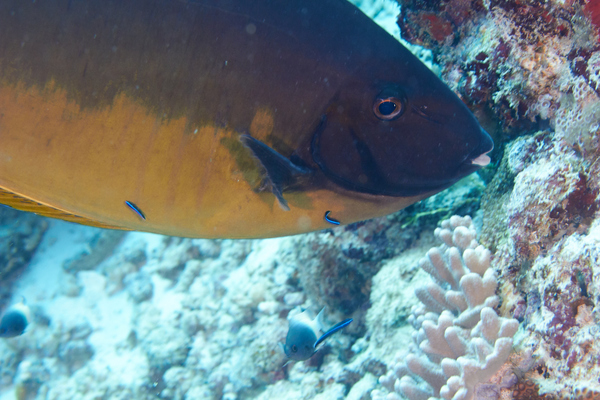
(280, 172)
(334, 329)
(23, 203)
(319, 320)
(23, 309)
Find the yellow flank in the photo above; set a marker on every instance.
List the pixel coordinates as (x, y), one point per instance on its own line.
(20, 203)
(85, 163)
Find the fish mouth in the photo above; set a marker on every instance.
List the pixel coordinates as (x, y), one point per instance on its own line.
(472, 164)
(406, 183)
(479, 156)
(481, 160)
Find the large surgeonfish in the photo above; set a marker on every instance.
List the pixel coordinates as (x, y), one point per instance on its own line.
(220, 118)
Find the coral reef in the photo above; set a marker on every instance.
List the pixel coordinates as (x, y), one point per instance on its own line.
(529, 65)
(149, 317)
(541, 220)
(519, 61)
(335, 268)
(462, 342)
(102, 245)
(20, 234)
(175, 318)
(592, 11)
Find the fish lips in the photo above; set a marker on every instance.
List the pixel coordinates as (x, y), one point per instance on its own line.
(479, 157)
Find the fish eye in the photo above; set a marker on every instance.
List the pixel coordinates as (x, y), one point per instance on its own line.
(387, 108)
(294, 349)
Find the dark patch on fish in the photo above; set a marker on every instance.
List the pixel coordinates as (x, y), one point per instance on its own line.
(244, 161)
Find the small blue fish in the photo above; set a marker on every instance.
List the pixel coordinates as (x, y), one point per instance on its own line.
(331, 220)
(14, 321)
(135, 209)
(303, 335)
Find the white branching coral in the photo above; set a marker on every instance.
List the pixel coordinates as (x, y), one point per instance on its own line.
(461, 341)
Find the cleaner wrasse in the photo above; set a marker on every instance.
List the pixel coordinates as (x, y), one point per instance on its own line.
(220, 118)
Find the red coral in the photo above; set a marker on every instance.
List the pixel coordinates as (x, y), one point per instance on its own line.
(526, 389)
(592, 9)
(438, 28)
(433, 24)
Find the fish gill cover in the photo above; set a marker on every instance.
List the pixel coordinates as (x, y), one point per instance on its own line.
(173, 318)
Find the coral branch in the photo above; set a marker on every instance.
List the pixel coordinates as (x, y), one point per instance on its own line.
(462, 342)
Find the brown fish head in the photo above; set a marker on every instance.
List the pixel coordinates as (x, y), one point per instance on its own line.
(396, 129)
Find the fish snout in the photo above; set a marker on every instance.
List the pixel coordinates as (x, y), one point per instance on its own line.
(479, 156)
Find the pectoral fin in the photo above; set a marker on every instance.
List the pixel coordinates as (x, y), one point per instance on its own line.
(280, 172)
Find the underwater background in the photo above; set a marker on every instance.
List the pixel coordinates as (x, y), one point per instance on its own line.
(496, 304)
